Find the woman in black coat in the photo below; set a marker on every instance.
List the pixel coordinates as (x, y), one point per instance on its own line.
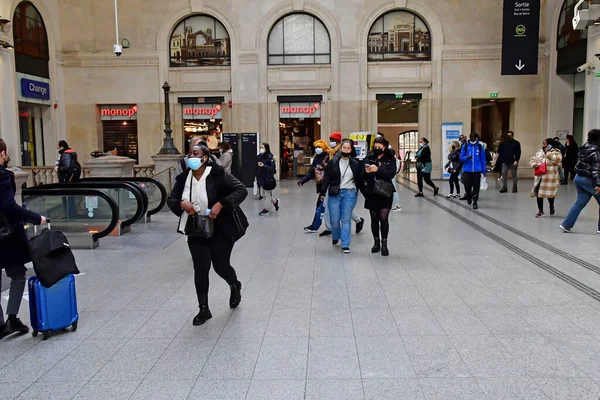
(14, 249)
(380, 165)
(205, 188)
(265, 178)
(453, 168)
(570, 159)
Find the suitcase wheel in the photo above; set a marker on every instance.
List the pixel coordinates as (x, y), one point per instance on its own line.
(34, 333)
(74, 326)
(45, 335)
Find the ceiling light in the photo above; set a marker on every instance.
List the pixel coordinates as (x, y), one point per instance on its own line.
(597, 22)
(393, 108)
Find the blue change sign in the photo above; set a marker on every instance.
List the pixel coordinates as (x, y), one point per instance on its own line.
(35, 89)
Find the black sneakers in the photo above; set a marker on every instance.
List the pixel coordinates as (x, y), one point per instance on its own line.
(310, 229)
(326, 232)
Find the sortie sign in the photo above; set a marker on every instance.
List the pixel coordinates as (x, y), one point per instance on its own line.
(520, 35)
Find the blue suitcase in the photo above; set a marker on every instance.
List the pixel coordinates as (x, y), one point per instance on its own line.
(52, 309)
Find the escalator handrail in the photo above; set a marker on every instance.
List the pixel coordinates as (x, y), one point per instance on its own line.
(163, 190)
(36, 192)
(140, 196)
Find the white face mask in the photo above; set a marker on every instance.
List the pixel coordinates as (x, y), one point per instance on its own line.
(421, 144)
(332, 144)
(319, 150)
(262, 151)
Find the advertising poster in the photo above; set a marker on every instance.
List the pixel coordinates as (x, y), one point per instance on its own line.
(450, 133)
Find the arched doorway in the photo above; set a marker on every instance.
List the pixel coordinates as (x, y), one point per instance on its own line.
(33, 77)
(408, 144)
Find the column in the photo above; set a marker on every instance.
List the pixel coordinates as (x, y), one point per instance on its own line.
(9, 109)
(592, 84)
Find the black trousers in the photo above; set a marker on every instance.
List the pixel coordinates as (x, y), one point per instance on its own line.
(472, 182)
(454, 183)
(217, 251)
(424, 176)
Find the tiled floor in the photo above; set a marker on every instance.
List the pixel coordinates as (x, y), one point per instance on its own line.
(451, 314)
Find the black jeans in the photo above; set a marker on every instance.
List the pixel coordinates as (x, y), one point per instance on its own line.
(472, 182)
(217, 251)
(424, 176)
(454, 183)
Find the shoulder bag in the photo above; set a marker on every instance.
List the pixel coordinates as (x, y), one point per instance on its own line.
(383, 188)
(334, 190)
(198, 225)
(541, 169)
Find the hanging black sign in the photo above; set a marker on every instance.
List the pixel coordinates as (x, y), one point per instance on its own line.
(520, 35)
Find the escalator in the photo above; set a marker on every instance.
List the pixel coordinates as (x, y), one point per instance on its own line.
(131, 200)
(156, 192)
(83, 232)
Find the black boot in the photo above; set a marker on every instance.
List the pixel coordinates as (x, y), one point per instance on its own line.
(203, 316)
(377, 246)
(236, 294)
(384, 249)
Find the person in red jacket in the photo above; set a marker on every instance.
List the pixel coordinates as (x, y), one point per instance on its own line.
(13, 245)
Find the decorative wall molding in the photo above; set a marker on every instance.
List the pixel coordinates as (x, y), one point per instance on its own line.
(109, 61)
(199, 87)
(400, 85)
(248, 57)
(349, 55)
(493, 52)
(297, 88)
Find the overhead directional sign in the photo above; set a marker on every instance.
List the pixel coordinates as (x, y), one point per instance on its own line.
(520, 36)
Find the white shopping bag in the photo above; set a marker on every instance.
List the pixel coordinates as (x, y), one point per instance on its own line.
(484, 183)
(255, 189)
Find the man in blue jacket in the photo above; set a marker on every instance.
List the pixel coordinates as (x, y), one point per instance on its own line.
(473, 159)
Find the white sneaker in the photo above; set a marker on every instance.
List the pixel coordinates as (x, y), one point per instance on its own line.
(566, 230)
(450, 196)
(396, 208)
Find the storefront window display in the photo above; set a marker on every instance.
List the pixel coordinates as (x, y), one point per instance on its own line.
(299, 127)
(204, 120)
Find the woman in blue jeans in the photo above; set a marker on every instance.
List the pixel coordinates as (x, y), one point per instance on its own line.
(342, 183)
(587, 180)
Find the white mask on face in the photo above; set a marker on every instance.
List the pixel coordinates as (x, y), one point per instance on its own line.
(332, 144)
(319, 150)
(262, 151)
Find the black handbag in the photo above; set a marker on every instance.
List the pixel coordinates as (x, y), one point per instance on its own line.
(383, 188)
(270, 184)
(198, 225)
(6, 229)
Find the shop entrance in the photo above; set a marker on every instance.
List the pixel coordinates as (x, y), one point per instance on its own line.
(119, 130)
(398, 122)
(204, 120)
(299, 127)
(491, 119)
(31, 127)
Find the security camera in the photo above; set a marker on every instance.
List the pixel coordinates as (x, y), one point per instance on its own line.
(118, 50)
(583, 67)
(597, 56)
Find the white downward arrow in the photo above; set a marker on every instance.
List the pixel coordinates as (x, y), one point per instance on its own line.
(520, 66)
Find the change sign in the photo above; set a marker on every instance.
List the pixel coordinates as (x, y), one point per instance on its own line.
(520, 35)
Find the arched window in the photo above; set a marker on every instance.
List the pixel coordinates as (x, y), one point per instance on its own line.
(29, 32)
(200, 40)
(299, 39)
(566, 34)
(399, 36)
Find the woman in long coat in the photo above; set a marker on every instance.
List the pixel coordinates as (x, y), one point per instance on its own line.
(546, 186)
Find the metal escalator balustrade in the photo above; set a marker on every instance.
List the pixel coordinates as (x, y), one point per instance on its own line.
(58, 204)
(156, 192)
(132, 202)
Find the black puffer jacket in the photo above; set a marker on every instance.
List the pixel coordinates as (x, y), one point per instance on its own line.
(588, 165)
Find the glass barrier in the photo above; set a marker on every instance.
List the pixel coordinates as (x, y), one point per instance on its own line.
(75, 211)
(132, 202)
(156, 192)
